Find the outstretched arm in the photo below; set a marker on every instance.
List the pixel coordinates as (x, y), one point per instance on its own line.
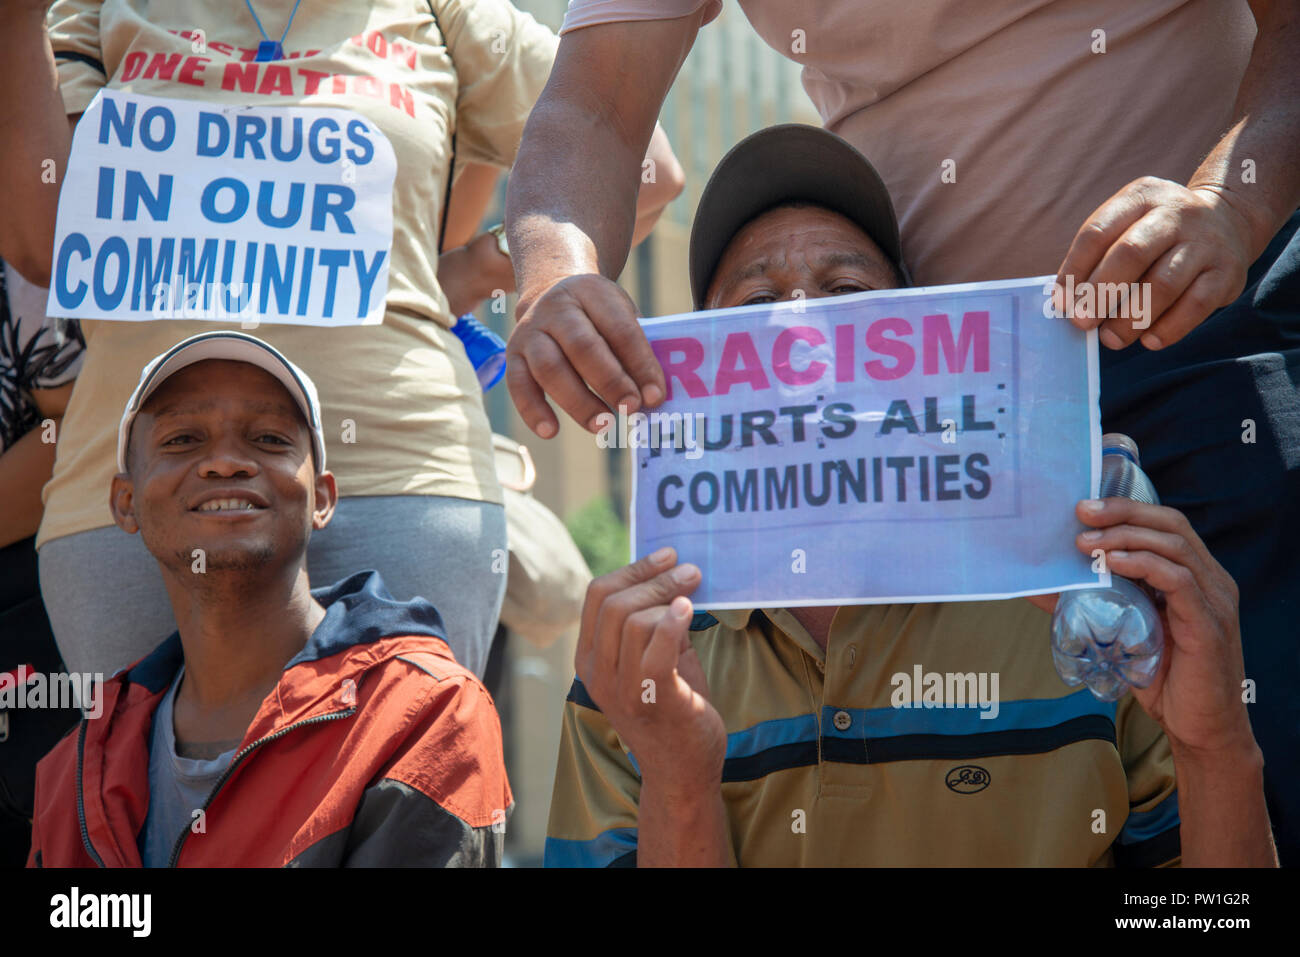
(571, 214)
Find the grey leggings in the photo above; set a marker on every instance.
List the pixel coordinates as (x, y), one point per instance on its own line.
(108, 606)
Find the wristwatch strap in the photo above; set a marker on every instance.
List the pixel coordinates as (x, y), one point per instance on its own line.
(499, 231)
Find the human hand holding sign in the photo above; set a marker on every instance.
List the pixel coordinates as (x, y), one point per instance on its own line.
(636, 660)
(580, 343)
(1192, 245)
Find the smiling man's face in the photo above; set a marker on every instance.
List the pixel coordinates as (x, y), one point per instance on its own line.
(220, 459)
(798, 250)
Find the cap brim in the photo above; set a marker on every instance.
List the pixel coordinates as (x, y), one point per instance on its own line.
(788, 163)
(236, 347)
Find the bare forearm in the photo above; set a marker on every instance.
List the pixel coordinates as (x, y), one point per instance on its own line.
(675, 830)
(34, 129)
(578, 217)
(572, 200)
(24, 469)
(1253, 165)
(470, 198)
(1224, 821)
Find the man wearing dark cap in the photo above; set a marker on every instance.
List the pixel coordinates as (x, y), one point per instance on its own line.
(279, 726)
(801, 736)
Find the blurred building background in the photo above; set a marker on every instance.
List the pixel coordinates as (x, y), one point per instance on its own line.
(731, 85)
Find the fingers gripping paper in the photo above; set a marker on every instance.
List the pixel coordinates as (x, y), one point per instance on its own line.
(903, 445)
(175, 209)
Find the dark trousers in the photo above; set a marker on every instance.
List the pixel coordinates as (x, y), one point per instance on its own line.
(1191, 408)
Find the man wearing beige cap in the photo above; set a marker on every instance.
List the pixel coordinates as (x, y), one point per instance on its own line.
(340, 708)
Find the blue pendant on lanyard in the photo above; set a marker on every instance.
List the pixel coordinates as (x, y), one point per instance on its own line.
(270, 49)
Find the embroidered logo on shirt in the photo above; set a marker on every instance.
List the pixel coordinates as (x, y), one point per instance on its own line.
(967, 779)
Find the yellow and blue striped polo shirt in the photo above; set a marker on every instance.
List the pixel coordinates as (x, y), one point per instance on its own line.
(834, 758)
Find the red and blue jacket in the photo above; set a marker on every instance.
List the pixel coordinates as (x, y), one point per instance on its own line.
(374, 749)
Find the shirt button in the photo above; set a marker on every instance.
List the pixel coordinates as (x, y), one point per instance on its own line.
(842, 720)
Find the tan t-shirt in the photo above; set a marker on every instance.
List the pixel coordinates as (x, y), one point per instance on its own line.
(400, 402)
(1008, 98)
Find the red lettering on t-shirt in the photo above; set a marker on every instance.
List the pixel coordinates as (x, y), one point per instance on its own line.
(223, 48)
(132, 65)
(191, 69)
(401, 50)
(162, 66)
(312, 79)
(377, 44)
(242, 75)
(275, 79)
(400, 97)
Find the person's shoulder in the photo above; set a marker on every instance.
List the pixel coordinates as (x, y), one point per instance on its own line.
(448, 744)
(422, 662)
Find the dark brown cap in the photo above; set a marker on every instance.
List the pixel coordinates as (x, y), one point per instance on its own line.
(782, 164)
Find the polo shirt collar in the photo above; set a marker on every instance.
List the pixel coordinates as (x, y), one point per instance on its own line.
(737, 619)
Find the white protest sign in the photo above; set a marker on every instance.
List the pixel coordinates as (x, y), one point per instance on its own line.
(179, 209)
(902, 445)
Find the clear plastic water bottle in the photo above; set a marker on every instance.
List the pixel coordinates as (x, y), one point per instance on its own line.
(486, 350)
(1111, 639)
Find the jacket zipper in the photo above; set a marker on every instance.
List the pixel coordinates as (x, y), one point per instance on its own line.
(81, 804)
(234, 764)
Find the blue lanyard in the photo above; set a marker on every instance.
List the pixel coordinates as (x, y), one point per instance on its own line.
(270, 49)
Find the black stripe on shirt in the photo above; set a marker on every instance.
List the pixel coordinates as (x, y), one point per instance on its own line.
(920, 747)
(80, 58)
(578, 695)
(751, 767)
(917, 747)
(1154, 851)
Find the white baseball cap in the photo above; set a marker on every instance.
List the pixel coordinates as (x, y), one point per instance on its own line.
(237, 347)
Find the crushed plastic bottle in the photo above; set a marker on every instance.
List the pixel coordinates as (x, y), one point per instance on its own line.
(485, 349)
(1111, 639)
